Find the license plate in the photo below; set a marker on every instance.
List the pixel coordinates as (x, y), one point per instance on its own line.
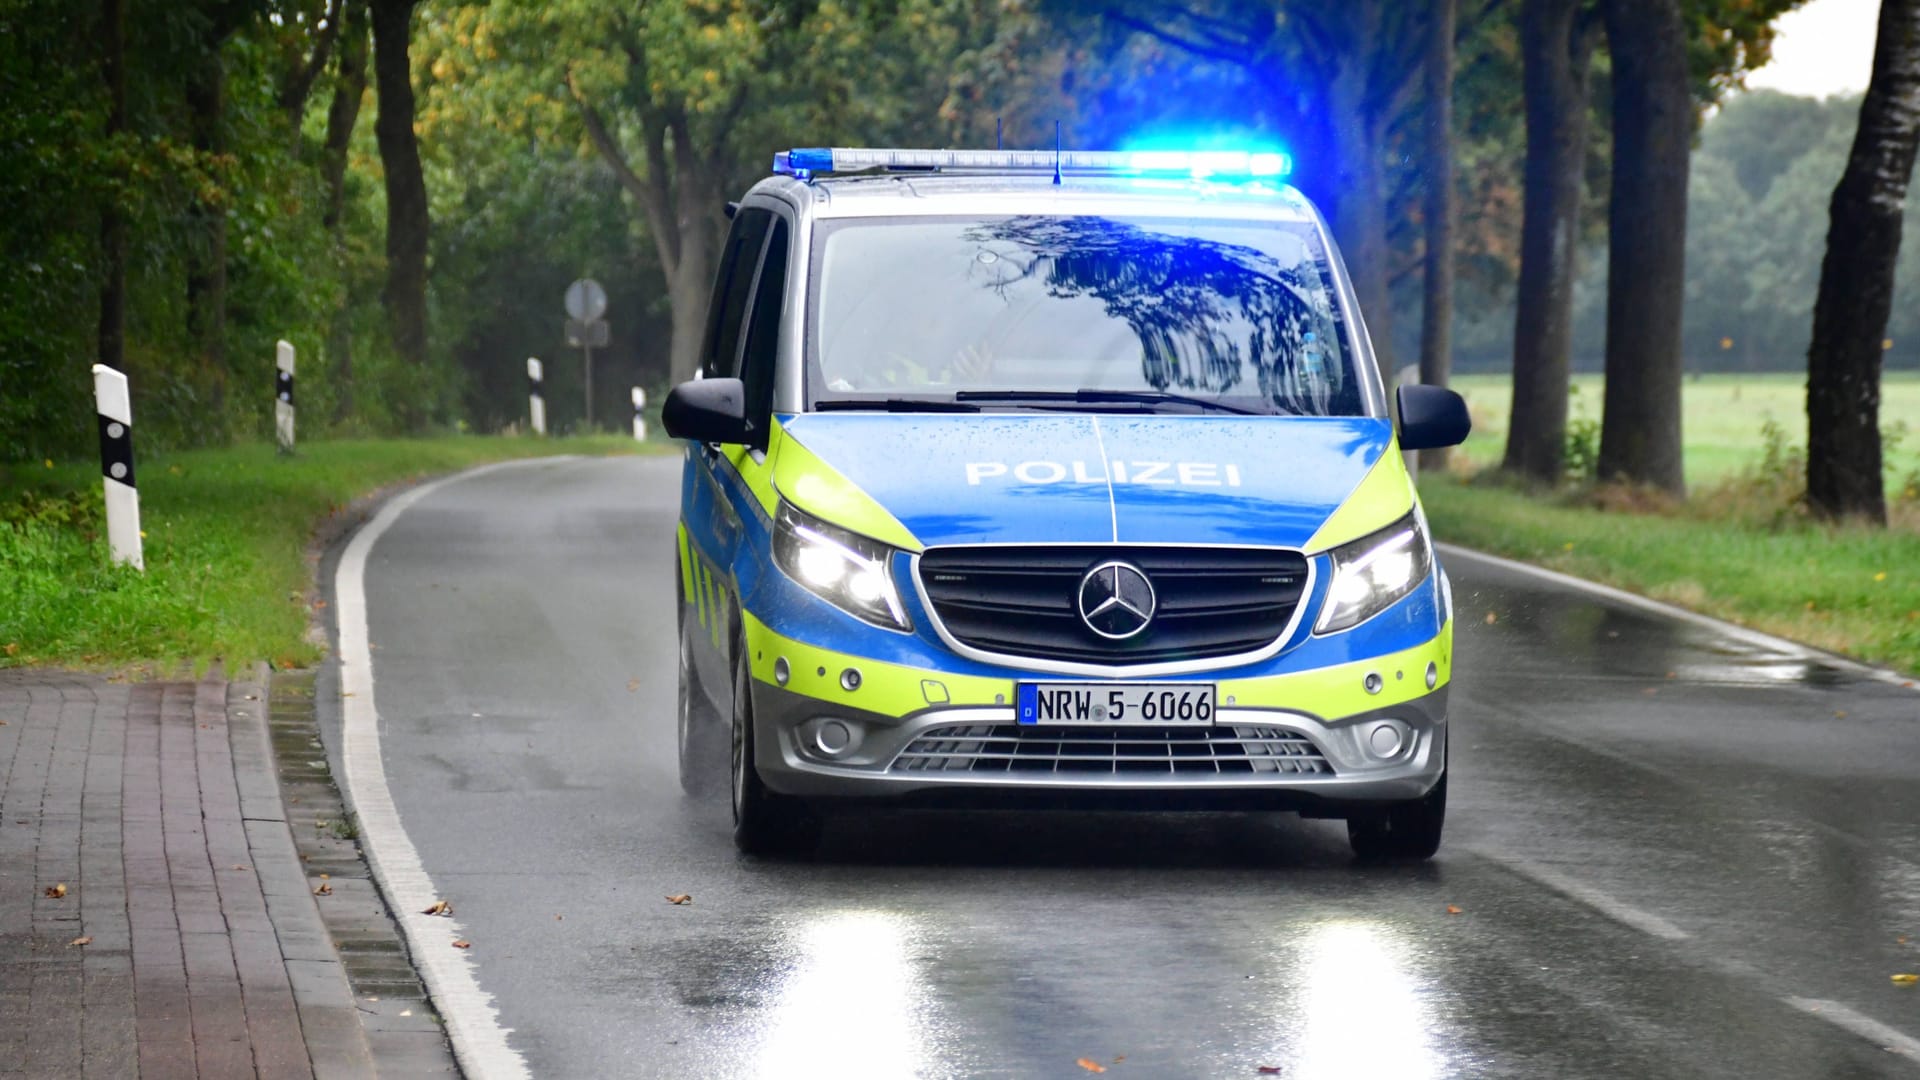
(1114, 703)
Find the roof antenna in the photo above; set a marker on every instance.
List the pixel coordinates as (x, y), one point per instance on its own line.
(997, 121)
(1056, 152)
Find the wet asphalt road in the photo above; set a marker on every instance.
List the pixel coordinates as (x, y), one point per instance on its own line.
(1672, 854)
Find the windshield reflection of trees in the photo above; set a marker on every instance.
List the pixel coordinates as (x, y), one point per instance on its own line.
(1205, 312)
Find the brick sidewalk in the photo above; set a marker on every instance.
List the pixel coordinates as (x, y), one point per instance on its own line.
(204, 954)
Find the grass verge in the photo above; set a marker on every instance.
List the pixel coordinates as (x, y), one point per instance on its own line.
(1845, 589)
(226, 536)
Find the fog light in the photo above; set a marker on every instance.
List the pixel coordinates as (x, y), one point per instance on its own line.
(781, 673)
(832, 738)
(850, 680)
(1374, 682)
(1385, 741)
(1433, 675)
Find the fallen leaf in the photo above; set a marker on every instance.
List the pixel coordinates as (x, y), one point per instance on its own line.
(325, 889)
(1492, 618)
(12, 647)
(680, 898)
(1090, 1065)
(1901, 940)
(1268, 1070)
(237, 866)
(1118, 1058)
(559, 918)
(1904, 979)
(439, 907)
(57, 892)
(1451, 910)
(88, 940)
(1672, 674)
(633, 686)
(462, 943)
(1839, 714)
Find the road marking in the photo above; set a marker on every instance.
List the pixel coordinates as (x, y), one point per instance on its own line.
(1721, 626)
(1864, 1026)
(472, 1022)
(1833, 1012)
(1644, 921)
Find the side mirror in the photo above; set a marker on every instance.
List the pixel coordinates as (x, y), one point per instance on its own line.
(1431, 417)
(707, 410)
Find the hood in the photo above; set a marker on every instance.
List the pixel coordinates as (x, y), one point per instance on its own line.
(1090, 478)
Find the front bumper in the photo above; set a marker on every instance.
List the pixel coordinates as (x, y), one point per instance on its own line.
(875, 761)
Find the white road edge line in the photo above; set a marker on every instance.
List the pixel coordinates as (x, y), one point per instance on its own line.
(1732, 630)
(472, 1023)
(1626, 914)
(1866, 1027)
(1833, 1012)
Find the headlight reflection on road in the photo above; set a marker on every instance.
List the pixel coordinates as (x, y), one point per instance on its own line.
(852, 1006)
(1361, 1009)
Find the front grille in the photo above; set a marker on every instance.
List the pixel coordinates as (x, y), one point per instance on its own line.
(1023, 601)
(1142, 752)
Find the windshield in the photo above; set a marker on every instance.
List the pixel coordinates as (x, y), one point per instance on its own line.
(1062, 311)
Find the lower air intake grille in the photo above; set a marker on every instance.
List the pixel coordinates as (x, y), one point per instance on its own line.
(1013, 749)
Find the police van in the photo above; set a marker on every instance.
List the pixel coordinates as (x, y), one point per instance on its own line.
(1037, 478)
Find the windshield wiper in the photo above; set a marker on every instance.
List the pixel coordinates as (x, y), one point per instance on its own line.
(894, 404)
(1098, 397)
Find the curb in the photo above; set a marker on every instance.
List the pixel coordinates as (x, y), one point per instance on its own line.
(336, 1042)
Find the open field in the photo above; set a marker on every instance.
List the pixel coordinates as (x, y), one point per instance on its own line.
(226, 537)
(1721, 423)
(1737, 550)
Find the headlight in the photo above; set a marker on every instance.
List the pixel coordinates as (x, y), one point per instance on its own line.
(1372, 572)
(845, 569)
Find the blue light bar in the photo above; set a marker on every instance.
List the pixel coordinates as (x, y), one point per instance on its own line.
(1199, 164)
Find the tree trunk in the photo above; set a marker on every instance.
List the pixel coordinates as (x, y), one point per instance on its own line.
(207, 259)
(1358, 210)
(1856, 280)
(343, 113)
(405, 295)
(349, 88)
(1647, 244)
(1436, 312)
(113, 222)
(1556, 50)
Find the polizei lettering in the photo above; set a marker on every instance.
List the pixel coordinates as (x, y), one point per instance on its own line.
(1117, 471)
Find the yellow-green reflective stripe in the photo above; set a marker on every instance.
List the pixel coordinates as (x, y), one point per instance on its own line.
(757, 475)
(686, 566)
(820, 490)
(1333, 692)
(888, 689)
(1382, 497)
(896, 690)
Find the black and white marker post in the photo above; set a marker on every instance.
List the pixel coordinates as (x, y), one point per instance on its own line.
(536, 402)
(116, 465)
(283, 395)
(640, 414)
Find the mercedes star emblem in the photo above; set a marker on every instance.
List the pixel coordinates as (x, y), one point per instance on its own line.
(1116, 600)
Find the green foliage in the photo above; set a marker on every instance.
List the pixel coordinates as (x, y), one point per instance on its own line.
(1851, 590)
(226, 536)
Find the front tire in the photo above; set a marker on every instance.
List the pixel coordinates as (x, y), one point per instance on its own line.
(1401, 831)
(764, 823)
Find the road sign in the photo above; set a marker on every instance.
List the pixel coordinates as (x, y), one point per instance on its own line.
(587, 335)
(586, 300)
